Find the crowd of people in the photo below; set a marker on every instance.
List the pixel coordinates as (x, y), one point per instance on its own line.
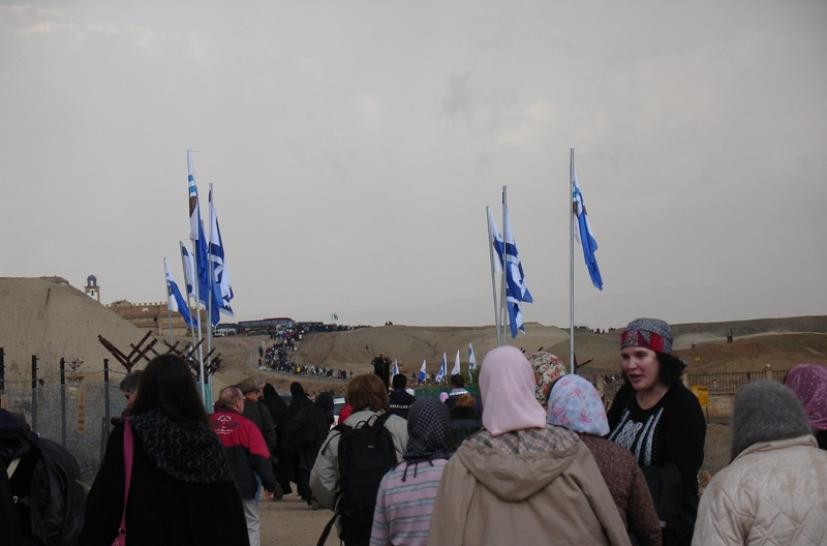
(536, 459)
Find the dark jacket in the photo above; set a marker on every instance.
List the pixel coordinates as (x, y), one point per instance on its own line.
(667, 441)
(260, 415)
(400, 401)
(50, 504)
(246, 451)
(181, 490)
(308, 431)
(465, 421)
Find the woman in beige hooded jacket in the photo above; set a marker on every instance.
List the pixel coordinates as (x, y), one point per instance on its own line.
(520, 481)
(775, 489)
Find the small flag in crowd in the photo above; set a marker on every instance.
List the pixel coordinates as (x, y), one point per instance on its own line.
(334, 317)
(586, 238)
(472, 363)
(457, 369)
(395, 369)
(423, 372)
(443, 369)
(175, 301)
(516, 289)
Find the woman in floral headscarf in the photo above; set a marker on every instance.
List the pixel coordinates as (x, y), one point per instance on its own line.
(809, 383)
(576, 405)
(547, 369)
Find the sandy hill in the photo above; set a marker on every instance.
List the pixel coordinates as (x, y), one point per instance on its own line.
(51, 319)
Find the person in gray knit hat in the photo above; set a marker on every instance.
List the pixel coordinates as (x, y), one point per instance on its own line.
(661, 423)
(775, 489)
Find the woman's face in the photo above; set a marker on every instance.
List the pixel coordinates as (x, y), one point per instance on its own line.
(641, 367)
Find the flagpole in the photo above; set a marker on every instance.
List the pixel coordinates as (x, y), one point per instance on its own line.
(197, 297)
(493, 281)
(571, 260)
(212, 289)
(503, 314)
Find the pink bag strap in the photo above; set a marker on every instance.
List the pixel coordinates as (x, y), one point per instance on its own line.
(128, 454)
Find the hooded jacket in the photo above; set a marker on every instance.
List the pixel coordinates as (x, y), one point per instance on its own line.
(181, 490)
(533, 486)
(772, 493)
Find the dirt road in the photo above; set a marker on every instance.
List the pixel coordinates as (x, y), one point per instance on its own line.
(290, 522)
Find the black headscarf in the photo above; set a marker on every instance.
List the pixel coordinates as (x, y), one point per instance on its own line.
(299, 400)
(273, 402)
(325, 401)
(428, 425)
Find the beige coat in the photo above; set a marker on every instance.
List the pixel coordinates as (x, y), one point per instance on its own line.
(772, 493)
(324, 478)
(537, 486)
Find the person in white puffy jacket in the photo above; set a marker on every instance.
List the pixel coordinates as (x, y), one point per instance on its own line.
(775, 489)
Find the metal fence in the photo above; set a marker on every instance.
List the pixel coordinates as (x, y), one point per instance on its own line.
(76, 412)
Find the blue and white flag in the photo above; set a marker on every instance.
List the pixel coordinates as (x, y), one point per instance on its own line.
(189, 269)
(175, 301)
(585, 235)
(395, 369)
(457, 369)
(516, 289)
(222, 291)
(423, 372)
(443, 369)
(496, 240)
(472, 363)
(199, 241)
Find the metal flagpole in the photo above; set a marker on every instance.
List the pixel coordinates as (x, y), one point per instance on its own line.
(571, 259)
(493, 281)
(503, 314)
(198, 326)
(212, 291)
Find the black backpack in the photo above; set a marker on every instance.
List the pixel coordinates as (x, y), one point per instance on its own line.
(366, 453)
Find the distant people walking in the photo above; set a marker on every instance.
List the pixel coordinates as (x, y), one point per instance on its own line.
(400, 400)
(308, 431)
(660, 421)
(775, 489)
(355, 456)
(247, 454)
(465, 420)
(381, 367)
(41, 500)
(576, 405)
(519, 481)
(406, 494)
(181, 490)
(809, 383)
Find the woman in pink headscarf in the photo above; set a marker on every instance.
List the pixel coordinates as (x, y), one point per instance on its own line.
(519, 480)
(809, 383)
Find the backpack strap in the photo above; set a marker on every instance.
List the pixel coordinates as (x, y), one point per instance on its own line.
(12, 467)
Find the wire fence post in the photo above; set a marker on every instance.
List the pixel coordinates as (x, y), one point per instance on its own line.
(106, 397)
(2, 369)
(34, 393)
(63, 401)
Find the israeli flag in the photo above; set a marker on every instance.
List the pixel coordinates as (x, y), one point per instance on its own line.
(457, 369)
(496, 241)
(516, 289)
(443, 369)
(395, 369)
(223, 292)
(189, 269)
(199, 242)
(175, 301)
(423, 372)
(472, 363)
(586, 238)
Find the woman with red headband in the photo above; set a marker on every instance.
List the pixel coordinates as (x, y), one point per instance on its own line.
(661, 422)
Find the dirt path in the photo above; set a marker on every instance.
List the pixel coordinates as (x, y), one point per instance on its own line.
(290, 522)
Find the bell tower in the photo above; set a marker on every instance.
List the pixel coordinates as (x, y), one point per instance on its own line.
(92, 289)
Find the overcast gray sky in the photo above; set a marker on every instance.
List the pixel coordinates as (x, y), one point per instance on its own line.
(354, 145)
